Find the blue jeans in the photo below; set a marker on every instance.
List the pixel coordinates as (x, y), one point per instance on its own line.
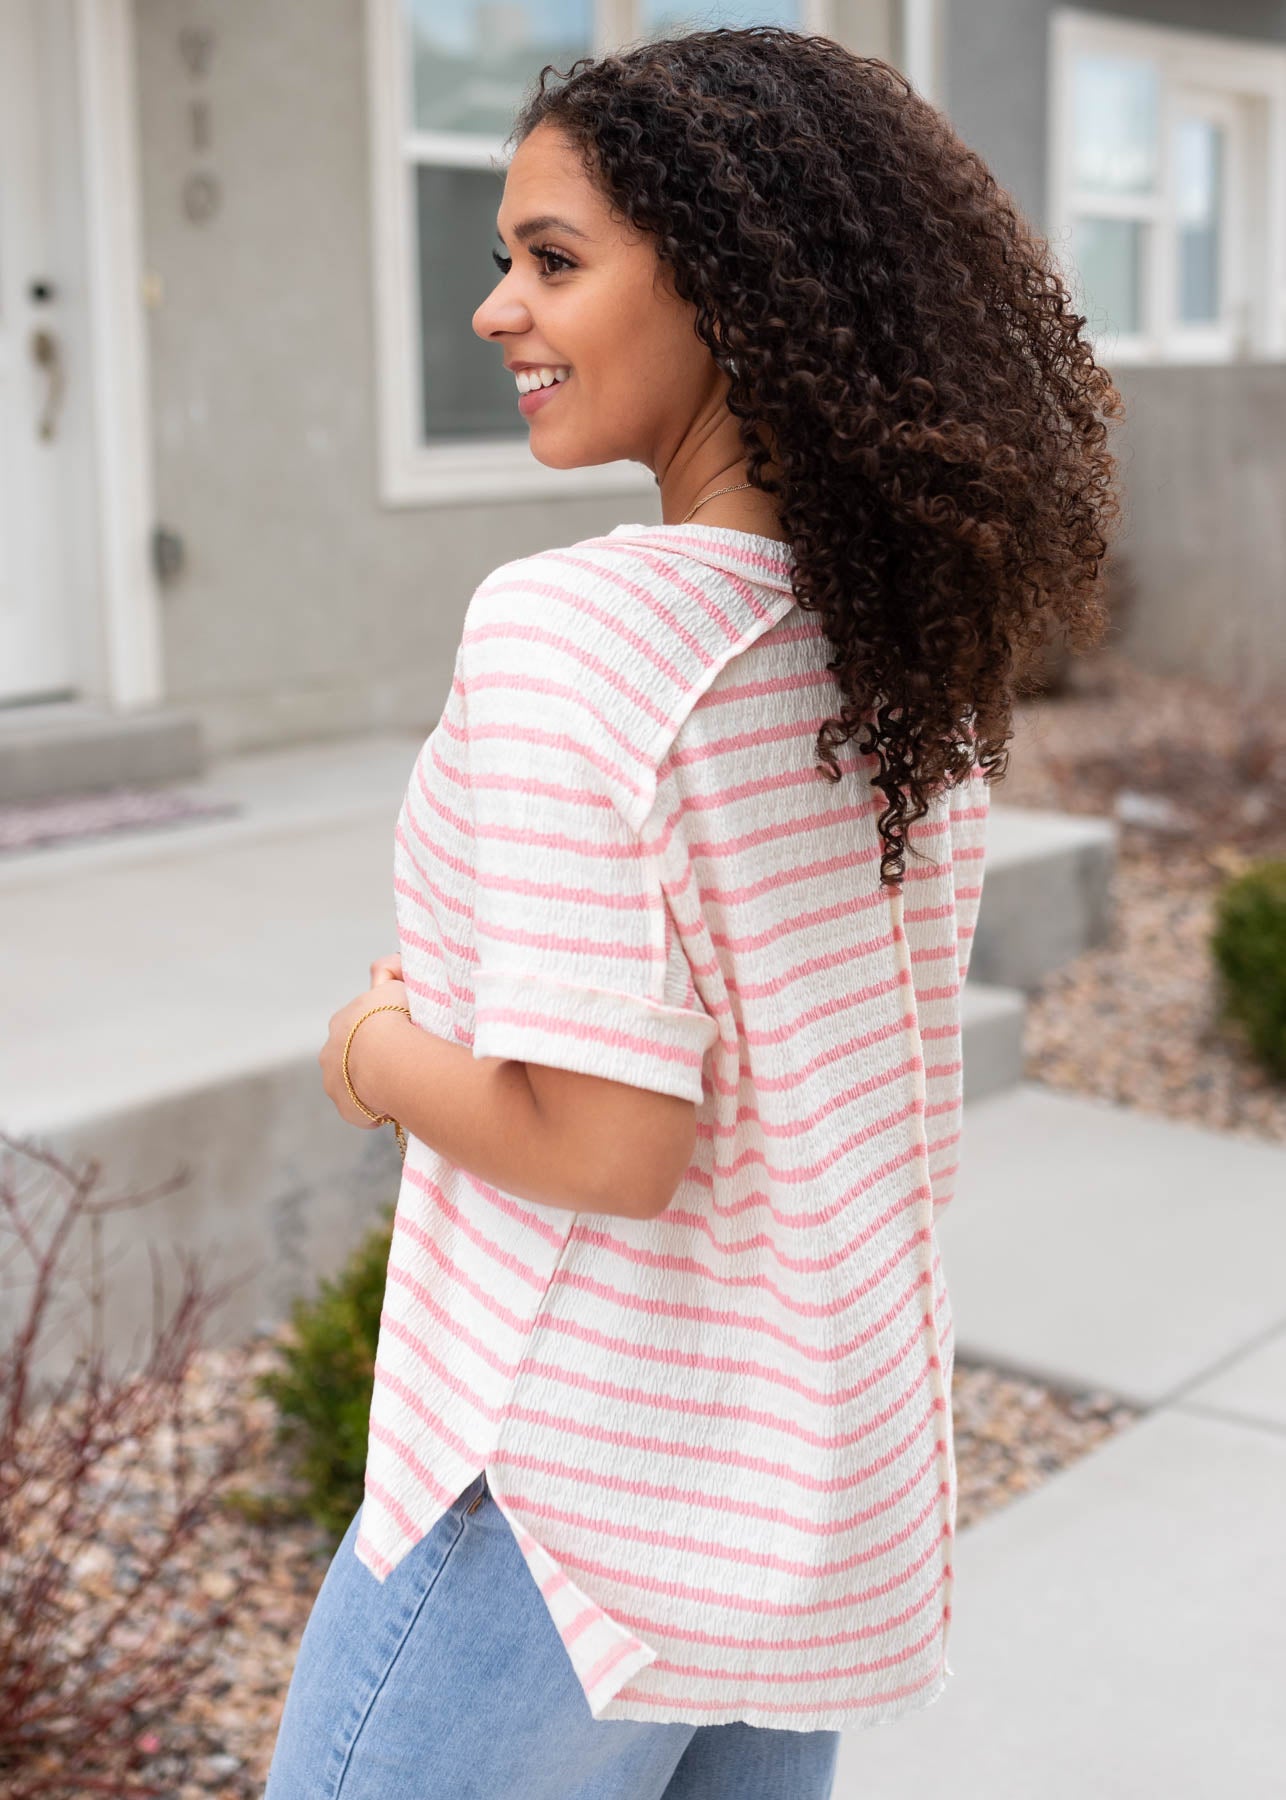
(449, 1682)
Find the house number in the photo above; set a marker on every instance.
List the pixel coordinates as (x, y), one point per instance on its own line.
(202, 195)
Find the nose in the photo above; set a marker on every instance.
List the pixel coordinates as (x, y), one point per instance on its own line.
(499, 317)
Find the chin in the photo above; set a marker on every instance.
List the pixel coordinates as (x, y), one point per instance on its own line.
(571, 456)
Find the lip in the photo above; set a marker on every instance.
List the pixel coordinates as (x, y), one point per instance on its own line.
(532, 403)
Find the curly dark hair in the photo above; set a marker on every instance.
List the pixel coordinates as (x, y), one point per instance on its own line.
(901, 350)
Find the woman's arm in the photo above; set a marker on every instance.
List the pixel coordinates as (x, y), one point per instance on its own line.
(552, 1136)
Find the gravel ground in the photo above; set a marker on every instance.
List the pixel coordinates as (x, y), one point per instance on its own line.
(1196, 779)
(1011, 1435)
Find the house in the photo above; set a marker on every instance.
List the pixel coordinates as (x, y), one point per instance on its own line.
(255, 460)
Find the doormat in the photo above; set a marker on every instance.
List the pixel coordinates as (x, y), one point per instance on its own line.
(28, 824)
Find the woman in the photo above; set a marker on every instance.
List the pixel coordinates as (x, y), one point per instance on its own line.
(660, 1491)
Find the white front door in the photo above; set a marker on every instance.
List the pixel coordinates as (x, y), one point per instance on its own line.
(35, 648)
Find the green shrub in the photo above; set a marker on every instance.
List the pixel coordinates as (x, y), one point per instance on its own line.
(1249, 948)
(323, 1390)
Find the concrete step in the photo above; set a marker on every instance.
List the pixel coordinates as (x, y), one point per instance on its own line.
(68, 747)
(1046, 893)
(168, 991)
(993, 1019)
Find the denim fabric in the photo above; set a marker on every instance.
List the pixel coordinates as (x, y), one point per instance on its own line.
(449, 1682)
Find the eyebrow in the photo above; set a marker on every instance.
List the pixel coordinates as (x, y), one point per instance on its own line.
(546, 222)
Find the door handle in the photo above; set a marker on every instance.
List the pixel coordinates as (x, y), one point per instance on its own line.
(47, 355)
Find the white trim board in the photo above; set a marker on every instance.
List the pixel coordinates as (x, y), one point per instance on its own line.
(130, 600)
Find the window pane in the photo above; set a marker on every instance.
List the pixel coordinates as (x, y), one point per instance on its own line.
(473, 60)
(1114, 120)
(1109, 260)
(466, 391)
(1198, 194)
(660, 18)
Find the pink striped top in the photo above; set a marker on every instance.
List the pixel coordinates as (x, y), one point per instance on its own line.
(722, 1437)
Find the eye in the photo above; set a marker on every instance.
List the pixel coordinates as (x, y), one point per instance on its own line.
(546, 254)
(543, 253)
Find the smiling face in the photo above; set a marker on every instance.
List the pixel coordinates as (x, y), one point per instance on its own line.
(581, 289)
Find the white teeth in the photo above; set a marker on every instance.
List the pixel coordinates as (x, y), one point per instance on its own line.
(530, 379)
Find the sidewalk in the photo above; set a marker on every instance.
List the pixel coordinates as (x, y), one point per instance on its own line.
(1118, 1632)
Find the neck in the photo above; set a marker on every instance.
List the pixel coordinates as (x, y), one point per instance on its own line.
(709, 459)
(746, 508)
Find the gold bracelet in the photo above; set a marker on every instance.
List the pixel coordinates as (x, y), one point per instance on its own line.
(387, 1119)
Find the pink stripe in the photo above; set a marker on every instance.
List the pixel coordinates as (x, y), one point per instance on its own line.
(397, 1328)
(720, 1012)
(406, 1525)
(615, 621)
(367, 1553)
(609, 949)
(790, 731)
(763, 687)
(616, 1524)
(716, 799)
(524, 1019)
(510, 681)
(740, 1366)
(403, 1451)
(825, 1161)
(585, 1619)
(636, 1579)
(701, 1180)
(681, 1703)
(760, 1417)
(495, 1253)
(628, 1305)
(524, 1214)
(694, 541)
(838, 1672)
(773, 882)
(793, 1646)
(604, 1239)
(403, 1278)
(607, 1662)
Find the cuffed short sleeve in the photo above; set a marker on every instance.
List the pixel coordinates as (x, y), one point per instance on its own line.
(570, 916)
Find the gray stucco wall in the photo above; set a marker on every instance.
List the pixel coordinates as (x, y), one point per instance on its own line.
(1203, 449)
(1203, 467)
(306, 609)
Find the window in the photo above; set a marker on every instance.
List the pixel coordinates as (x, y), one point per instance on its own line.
(446, 79)
(1167, 169)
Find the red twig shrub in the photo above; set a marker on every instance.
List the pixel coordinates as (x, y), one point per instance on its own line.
(102, 1500)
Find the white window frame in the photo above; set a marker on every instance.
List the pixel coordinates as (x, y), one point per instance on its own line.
(1241, 82)
(410, 472)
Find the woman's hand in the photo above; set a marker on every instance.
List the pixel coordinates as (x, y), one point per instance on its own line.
(386, 989)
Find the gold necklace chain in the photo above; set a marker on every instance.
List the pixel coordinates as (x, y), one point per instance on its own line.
(735, 488)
